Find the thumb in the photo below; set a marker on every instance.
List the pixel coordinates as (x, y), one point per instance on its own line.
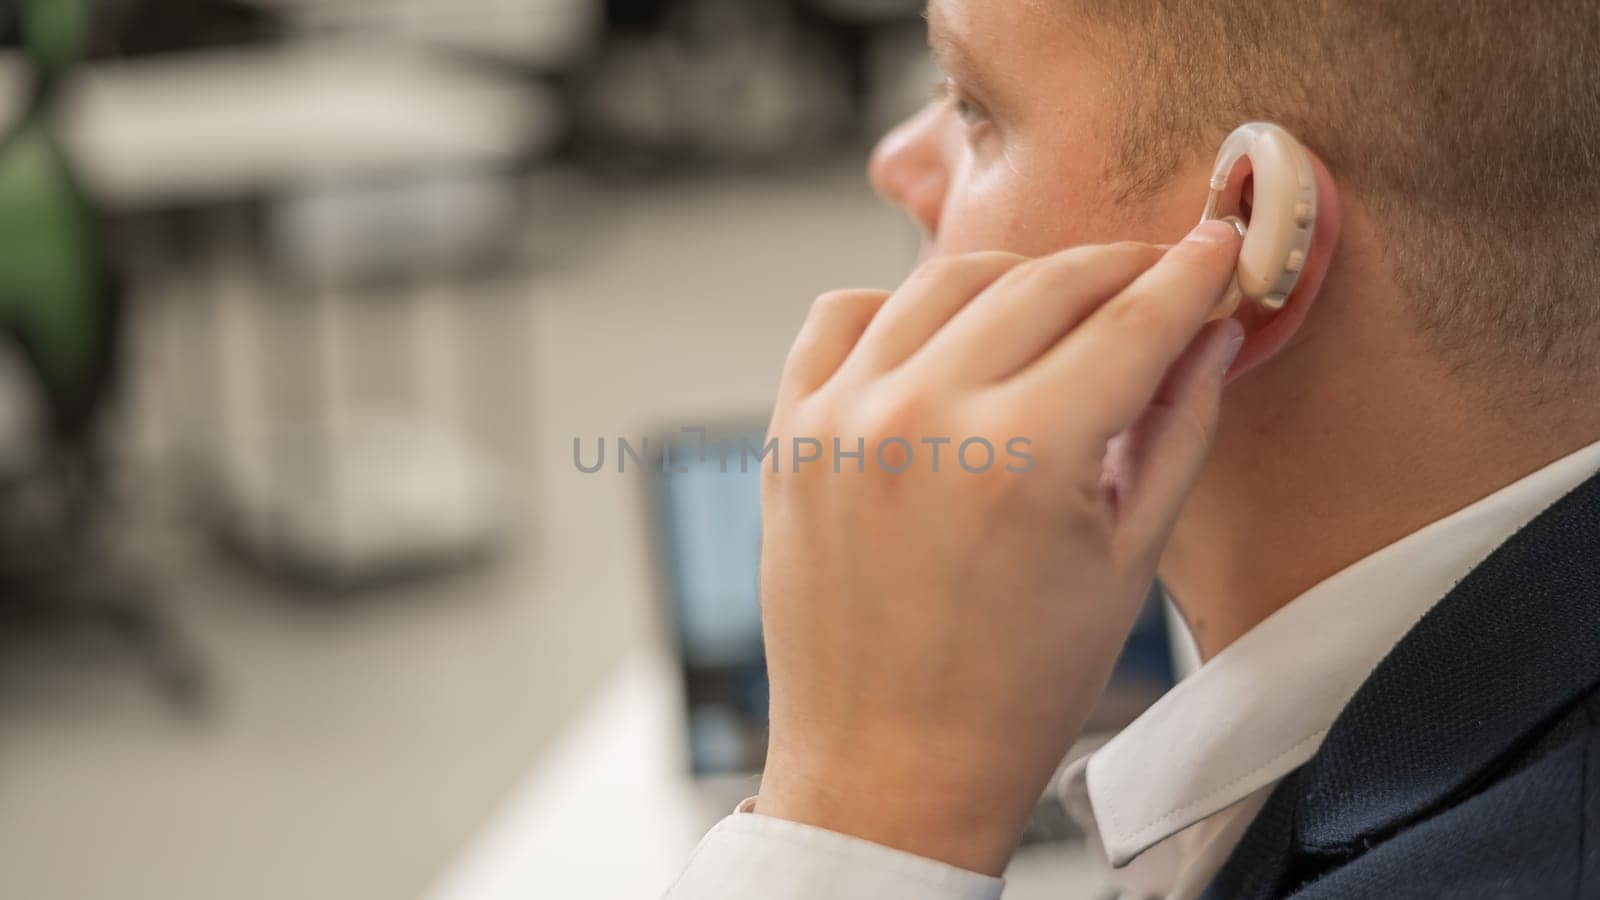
(1153, 465)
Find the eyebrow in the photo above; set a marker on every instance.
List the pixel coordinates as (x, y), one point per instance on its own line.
(954, 56)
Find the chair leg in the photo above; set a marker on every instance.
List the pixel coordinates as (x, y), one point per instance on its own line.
(171, 660)
(123, 608)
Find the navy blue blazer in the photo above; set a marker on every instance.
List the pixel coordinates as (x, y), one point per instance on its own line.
(1468, 764)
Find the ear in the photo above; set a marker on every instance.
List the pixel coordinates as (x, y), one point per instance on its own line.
(1266, 333)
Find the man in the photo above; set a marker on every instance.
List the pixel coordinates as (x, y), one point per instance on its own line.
(1388, 558)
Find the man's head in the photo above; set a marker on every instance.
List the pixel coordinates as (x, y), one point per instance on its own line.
(1466, 135)
(1451, 347)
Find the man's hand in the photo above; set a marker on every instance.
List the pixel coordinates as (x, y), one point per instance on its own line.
(936, 638)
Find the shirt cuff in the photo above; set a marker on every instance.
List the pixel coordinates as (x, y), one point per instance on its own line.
(751, 855)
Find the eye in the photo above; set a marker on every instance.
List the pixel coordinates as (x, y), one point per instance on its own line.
(972, 114)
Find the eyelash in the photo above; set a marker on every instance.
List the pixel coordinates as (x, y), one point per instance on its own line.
(971, 113)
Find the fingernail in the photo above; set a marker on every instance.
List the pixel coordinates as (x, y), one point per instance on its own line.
(1212, 231)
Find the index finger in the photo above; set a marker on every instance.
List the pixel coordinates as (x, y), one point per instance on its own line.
(1110, 367)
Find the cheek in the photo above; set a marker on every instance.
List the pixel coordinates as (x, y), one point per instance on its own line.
(1004, 208)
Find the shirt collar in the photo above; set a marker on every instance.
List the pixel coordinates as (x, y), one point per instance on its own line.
(1262, 706)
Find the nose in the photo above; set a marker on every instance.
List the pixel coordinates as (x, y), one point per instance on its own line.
(908, 168)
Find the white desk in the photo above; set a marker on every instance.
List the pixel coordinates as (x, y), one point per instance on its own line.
(300, 123)
(193, 126)
(549, 34)
(609, 813)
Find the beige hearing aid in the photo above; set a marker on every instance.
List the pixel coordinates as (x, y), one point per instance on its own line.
(1283, 213)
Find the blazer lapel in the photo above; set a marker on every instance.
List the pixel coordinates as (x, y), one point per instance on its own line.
(1506, 652)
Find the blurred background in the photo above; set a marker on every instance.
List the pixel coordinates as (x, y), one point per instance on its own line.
(305, 304)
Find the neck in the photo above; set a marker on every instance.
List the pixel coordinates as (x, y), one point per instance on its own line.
(1306, 481)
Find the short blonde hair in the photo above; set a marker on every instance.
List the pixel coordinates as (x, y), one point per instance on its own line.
(1470, 128)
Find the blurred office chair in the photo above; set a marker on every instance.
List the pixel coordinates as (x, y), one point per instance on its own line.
(59, 320)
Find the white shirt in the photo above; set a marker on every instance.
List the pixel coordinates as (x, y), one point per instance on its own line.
(1167, 800)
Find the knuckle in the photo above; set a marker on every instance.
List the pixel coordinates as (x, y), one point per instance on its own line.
(817, 417)
(1026, 284)
(1031, 276)
(898, 413)
(1012, 415)
(839, 302)
(940, 268)
(826, 303)
(1138, 255)
(946, 267)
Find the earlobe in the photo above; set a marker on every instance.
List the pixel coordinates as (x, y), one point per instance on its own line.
(1267, 332)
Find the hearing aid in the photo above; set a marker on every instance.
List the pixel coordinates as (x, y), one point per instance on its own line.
(1283, 214)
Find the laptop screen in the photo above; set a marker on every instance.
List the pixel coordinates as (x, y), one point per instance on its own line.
(709, 520)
